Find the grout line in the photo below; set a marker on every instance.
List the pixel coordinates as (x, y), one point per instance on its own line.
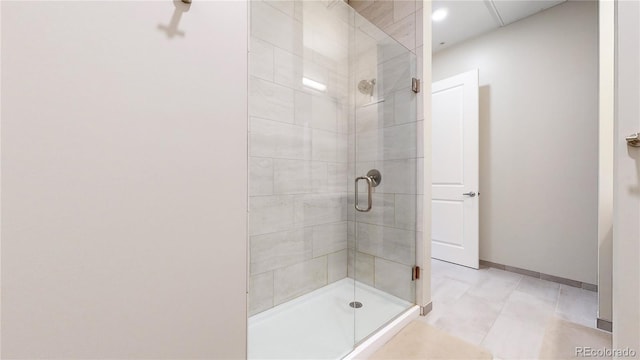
(502, 309)
(555, 309)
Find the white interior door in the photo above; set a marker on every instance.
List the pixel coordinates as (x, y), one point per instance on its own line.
(455, 169)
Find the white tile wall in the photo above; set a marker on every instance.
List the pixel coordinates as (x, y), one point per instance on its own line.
(378, 12)
(261, 59)
(399, 176)
(403, 8)
(276, 250)
(395, 74)
(406, 211)
(286, 7)
(399, 142)
(261, 290)
(328, 238)
(396, 18)
(383, 213)
(404, 30)
(269, 214)
(270, 24)
(324, 146)
(404, 106)
(317, 112)
(278, 140)
(270, 101)
(298, 176)
(386, 242)
(287, 69)
(337, 177)
(314, 209)
(337, 266)
(394, 278)
(295, 280)
(363, 271)
(369, 145)
(298, 147)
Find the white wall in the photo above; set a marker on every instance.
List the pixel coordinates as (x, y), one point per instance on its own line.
(626, 223)
(606, 22)
(538, 139)
(124, 158)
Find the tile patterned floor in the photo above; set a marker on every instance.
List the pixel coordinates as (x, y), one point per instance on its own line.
(504, 312)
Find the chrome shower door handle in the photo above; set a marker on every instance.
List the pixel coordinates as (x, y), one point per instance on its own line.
(369, 200)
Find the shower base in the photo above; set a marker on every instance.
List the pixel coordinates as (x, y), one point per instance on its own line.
(321, 324)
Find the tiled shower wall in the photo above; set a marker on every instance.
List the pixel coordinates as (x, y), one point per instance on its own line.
(403, 21)
(304, 145)
(400, 19)
(298, 149)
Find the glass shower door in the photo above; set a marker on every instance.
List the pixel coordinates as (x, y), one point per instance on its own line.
(383, 168)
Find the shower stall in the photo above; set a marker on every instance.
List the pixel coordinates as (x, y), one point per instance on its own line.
(334, 200)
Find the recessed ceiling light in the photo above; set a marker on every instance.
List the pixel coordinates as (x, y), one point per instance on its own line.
(439, 14)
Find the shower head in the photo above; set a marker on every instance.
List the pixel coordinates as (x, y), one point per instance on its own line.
(366, 86)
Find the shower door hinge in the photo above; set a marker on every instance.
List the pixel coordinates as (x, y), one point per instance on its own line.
(415, 273)
(415, 85)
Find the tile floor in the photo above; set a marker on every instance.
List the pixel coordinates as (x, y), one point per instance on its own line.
(504, 312)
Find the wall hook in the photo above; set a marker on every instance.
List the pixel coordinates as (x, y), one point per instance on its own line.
(172, 28)
(633, 140)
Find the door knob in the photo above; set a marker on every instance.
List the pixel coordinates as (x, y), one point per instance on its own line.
(470, 194)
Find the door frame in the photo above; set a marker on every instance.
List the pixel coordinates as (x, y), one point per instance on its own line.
(626, 175)
(423, 246)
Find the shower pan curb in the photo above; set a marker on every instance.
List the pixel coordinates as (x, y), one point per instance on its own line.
(375, 341)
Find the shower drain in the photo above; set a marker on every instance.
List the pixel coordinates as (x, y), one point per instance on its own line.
(355, 304)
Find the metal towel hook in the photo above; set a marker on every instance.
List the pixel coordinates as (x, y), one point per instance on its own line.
(633, 140)
(172, 28)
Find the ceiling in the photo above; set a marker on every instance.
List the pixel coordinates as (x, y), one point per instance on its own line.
(468, 19)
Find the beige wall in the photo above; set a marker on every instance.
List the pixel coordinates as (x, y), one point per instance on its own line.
(538, 139)
(123, 181)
